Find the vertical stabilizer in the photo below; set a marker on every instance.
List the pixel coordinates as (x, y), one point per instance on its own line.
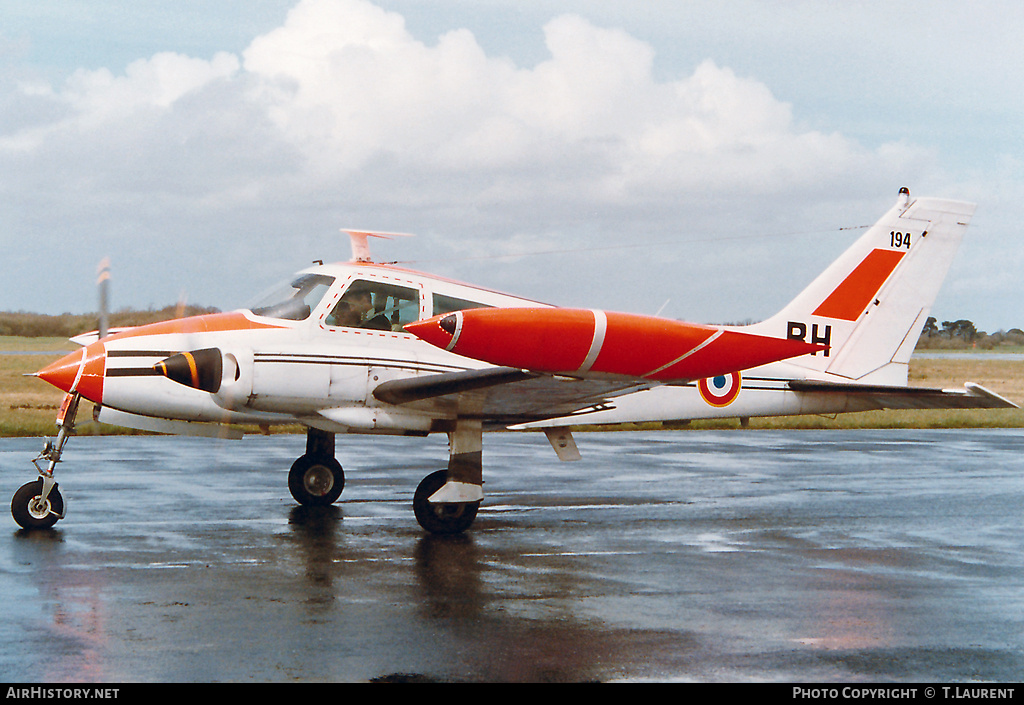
(871, 304)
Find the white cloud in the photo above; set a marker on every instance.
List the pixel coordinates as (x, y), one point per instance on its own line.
(346, 85)
(342, 112)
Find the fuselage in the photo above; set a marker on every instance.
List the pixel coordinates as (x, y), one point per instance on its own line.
(314, 350)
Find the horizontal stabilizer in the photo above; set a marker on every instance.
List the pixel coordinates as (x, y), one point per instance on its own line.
(972, 396)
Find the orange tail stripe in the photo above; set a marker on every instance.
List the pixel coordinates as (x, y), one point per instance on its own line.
(854, 294)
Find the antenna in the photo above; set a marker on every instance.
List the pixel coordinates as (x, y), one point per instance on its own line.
(360, 244)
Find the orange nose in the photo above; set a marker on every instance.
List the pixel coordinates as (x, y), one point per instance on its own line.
(81, 371)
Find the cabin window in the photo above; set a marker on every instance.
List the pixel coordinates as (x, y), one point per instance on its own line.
(296, 300)
(450, 304)
(376, 306)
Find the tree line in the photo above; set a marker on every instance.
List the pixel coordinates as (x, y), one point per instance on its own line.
(66, 325)
(962, 334)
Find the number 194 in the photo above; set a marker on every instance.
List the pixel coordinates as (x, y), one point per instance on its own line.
(899, 240)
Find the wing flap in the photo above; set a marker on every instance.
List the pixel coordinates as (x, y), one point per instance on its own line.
(502, 395)
(412, 389)
(972, 396)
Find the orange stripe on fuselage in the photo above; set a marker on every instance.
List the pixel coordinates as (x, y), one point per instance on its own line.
(208, 323)
(853, 295)
(84, 370)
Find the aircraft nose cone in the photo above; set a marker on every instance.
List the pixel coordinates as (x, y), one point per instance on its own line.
(62, 373)
(81, 371)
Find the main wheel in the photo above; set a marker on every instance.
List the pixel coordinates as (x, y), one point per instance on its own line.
(316, 481)
(450, 518)
(32, 513)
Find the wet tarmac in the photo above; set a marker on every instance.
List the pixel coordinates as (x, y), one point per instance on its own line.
(738, 556)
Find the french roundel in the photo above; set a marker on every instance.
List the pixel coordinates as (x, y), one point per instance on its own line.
(721, 390)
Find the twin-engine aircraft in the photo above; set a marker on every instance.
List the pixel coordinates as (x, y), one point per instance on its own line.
(360, 347)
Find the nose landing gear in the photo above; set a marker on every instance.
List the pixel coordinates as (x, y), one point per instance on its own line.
(316, 479)
(39, 504)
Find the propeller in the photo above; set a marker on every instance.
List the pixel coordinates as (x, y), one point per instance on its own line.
(103, 284)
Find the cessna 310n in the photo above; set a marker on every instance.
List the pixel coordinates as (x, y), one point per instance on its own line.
(360, 347)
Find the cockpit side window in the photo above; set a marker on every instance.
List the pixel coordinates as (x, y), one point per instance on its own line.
(295, 301)
(449, 304)
(376, 305)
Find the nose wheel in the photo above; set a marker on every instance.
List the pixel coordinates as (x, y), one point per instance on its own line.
(316, 478)
(32, 510)
(39, 504)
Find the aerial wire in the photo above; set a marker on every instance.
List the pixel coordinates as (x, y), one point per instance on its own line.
(620, 246)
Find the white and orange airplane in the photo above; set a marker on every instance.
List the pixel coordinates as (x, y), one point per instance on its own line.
(359, 347)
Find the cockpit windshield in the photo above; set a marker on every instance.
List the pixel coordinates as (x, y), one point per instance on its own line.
(294, 301)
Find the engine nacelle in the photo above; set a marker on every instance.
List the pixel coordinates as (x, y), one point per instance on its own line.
(199, 369)
(225, 375)
(236, 378)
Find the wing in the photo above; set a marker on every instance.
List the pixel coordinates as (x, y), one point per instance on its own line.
(972, 396)
(504, 395)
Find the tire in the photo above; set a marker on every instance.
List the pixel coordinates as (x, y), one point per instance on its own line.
(316, 481)
(30, 517)
(444, 519)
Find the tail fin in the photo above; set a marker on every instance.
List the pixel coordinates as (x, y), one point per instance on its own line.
(871, 304)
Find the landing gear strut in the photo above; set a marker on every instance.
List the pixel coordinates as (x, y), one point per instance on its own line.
(39, 504)
(316, 478)
(446, 501)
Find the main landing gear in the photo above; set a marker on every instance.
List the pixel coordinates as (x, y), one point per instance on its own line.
(446, 501)
(39, 504)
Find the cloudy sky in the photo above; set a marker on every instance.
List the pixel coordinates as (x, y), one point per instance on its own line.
(705, 159)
